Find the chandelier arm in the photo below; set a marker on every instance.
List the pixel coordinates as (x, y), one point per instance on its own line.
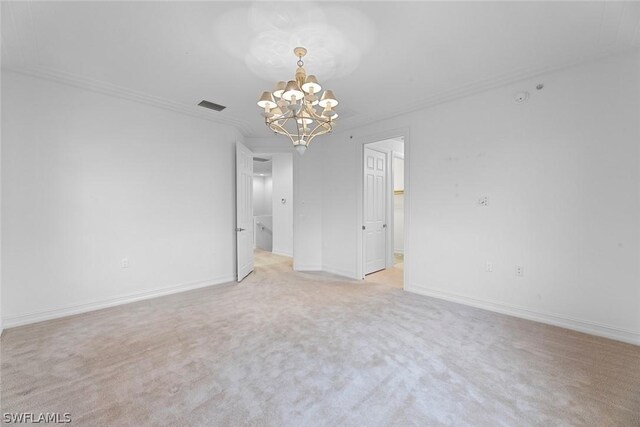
(313, 133)
(314, 115)
(312, 111)
(286, 115)
(275, 126)
(282, 127)
(285, 120)
(317, 134)
(284, 131)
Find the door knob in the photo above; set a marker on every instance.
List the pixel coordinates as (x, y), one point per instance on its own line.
(384, 225)
(239, 229)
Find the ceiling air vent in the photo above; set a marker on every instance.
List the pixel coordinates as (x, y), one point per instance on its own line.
(211, 105)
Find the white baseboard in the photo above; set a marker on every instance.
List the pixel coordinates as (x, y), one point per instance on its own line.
(398, 251)
(287, 254)
(25, 319)
(588, 327)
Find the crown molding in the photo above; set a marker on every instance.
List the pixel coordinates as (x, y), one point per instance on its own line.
(477, 87)
(350, 123)
(110, 89)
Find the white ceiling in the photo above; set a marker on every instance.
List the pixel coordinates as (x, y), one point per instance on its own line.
(385, 57)
(262, 168)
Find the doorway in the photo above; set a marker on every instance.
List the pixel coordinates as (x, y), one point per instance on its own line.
(264, 210)
(273, 210)
(383, 215)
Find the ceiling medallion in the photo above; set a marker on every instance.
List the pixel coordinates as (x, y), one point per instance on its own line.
(299, 113)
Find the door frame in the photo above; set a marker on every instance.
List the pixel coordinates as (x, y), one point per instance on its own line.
(361, 142)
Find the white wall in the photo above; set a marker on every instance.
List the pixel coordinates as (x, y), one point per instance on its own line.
(308, 213)
(398, 205)
(262, 211)
(398, 172)
(562, 173)
(263, 232)
(1, 322)
(89, 179)
(282, 171)
(262, 195)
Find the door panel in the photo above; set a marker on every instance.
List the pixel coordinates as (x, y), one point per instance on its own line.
(244, 210)
(375, 185)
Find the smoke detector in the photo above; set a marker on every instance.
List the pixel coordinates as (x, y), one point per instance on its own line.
(521, 97)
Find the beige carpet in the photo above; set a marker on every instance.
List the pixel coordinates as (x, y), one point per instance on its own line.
(268, 259)
(393, 276)
(286, 348)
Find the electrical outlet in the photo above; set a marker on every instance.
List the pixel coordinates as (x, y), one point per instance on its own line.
(488, 267)
(483, 201)
(519, 270)
(125, 262)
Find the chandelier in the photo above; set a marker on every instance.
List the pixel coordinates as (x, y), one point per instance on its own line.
(299, 113)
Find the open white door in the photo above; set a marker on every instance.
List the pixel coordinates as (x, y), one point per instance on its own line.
(374, 227)
(244, 210)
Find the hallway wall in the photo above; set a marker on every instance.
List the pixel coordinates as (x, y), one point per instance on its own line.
(398, 205)
(282, 212)
(262, 195)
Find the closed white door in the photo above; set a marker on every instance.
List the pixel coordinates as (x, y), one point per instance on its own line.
(244, 210)
(375, 222)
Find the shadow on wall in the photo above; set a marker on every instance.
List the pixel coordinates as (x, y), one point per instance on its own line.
(262, 206)
(263, 229)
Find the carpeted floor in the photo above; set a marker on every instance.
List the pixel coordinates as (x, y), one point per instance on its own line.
(393, 276)
(286, 348)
